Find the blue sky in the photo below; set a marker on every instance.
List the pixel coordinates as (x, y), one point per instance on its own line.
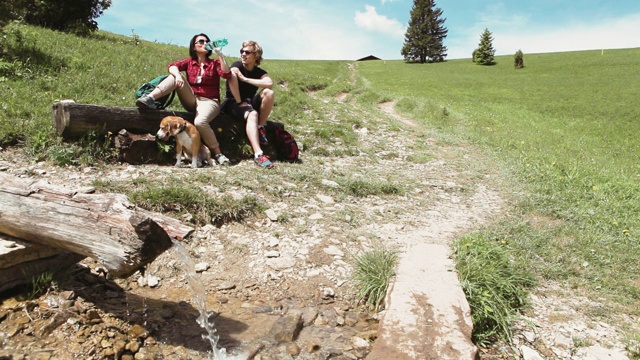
(351, 29)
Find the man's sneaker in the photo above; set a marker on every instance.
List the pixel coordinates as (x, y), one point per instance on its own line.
(262, 133)
(145, 102)
(221, 159)
(263, 161)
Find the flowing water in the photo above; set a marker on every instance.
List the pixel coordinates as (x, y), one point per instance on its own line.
(200, 302)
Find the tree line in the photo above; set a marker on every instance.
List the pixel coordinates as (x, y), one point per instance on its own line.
(76, 16)
(424, 38)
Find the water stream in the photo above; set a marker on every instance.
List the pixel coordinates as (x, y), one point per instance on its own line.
(200, 302)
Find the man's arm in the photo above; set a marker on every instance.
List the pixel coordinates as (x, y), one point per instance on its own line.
(264, 82)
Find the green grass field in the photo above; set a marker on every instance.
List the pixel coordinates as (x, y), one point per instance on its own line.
(565, 127)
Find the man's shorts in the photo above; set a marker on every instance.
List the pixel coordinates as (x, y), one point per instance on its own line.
(241, 112)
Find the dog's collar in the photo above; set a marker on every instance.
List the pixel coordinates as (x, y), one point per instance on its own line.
(182, 127)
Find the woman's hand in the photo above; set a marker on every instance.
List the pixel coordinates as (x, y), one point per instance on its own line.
(179, 81)
(173, 70)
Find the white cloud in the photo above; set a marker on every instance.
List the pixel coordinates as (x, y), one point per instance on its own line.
(372, 21)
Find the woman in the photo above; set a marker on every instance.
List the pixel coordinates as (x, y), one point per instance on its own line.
(198, 92)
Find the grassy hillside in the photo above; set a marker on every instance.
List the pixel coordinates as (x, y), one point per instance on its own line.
(566, 126)
(40, 67)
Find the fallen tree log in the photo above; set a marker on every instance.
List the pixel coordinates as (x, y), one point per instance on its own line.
(73, 120)
(134, 130)
(106, 227)
(21, 261)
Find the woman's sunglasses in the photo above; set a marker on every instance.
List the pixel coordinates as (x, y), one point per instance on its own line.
(201, 41)
(247, 52)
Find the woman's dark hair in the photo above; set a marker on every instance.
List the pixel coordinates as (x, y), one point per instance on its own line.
(192, 44)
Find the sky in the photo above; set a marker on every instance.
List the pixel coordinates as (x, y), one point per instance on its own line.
(352, 29)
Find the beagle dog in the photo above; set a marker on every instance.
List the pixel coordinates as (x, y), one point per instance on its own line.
(188, 141)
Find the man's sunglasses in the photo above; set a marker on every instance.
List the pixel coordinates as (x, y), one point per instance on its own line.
(247, 52)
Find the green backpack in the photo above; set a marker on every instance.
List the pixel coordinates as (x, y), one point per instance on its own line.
(146, 88)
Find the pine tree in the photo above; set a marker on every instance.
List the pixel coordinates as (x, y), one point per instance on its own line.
(485, 52)
(518, 60)
(425, 34)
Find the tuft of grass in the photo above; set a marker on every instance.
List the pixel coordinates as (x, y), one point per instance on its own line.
(40, 284)
(632, 345)
(495, 287)
(180, 198)
(363, 188)
(184, 199)
(372, 271)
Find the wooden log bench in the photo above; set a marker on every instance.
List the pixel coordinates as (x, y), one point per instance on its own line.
(134, 130)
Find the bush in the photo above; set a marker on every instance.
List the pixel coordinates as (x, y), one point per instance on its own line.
(518, 60)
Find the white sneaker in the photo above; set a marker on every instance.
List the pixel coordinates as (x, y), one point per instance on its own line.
(221, 159)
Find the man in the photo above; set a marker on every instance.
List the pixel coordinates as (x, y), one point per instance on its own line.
(254, 107)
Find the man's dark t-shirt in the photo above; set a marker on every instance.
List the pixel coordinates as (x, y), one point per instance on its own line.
(247, 91)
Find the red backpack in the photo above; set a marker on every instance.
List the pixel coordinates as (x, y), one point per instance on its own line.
(286, 146)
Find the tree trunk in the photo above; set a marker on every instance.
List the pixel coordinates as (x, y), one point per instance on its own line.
(105, 227)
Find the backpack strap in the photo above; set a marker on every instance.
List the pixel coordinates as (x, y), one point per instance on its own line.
(169, 100)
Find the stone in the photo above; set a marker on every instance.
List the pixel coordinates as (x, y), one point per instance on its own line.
(202, 266)
(359, 342)
(325, 199)
(529, 354)
(309, 314)
(425, 304)
(334, 251)
(287, 327)
(271, 214)
(138, 332)
(316, 216)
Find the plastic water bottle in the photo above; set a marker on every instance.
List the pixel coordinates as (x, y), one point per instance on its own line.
(218, 44)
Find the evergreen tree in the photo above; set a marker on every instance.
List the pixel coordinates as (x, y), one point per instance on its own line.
(518, 60)
(425, 34)
(485, 52)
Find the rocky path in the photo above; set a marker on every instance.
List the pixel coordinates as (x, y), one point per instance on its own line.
(277, 286)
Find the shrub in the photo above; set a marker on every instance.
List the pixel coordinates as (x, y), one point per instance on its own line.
(518, 60)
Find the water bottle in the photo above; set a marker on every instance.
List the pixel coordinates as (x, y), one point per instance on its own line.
(218, 44)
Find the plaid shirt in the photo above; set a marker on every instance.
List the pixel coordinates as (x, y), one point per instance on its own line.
(209, 86)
